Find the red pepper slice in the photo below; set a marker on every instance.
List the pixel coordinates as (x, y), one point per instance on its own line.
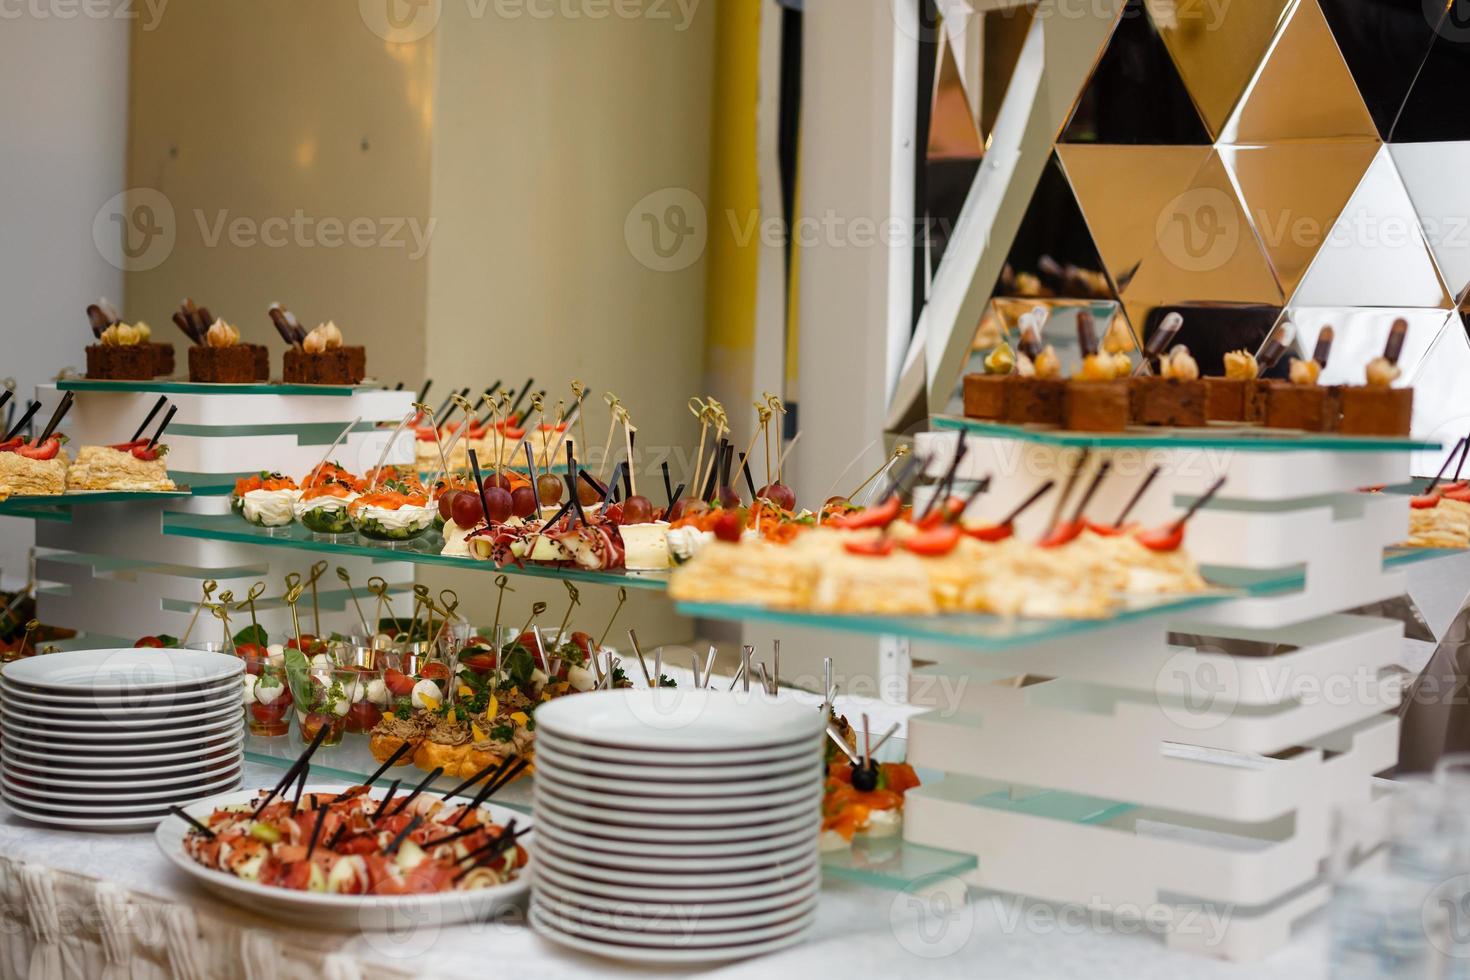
(876, 548)
(1063, 533)
(1167, 538)
(880, 516)
(939, 541)
(1424, 501)
(992, 532)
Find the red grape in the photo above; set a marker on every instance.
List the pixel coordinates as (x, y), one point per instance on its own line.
(588, 494)
(446, 504)
(729, 497)
(637, 509)
(466, 510)
(779, 494)
(497, 480)
(549, 488)
(523, 501)
(498, 506)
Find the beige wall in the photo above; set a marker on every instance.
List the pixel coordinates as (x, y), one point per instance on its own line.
(547, 133)
(258, 110)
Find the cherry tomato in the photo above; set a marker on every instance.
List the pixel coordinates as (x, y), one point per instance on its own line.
(435, 670)
(397, 682)
(940, 541)
(150, 642)
(1167, 538)
(362, 716)
(269, 714)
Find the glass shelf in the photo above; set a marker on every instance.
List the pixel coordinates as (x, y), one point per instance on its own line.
(49, 506)
(164, 386)
(976, 631)
(1224, 436)
(421, 551)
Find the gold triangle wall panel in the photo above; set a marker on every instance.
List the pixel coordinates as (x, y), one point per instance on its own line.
(1122, 190)
(1293, 193)
(1217, 47)
(953, 134)
(1375, 254)
(1205, 248)
(1303, 90)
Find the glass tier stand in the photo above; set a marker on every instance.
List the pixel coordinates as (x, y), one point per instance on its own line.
(51, 506)
(1215, 436)
(166, 387)
(423, 550)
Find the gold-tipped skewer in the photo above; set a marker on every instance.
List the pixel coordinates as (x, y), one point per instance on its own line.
(347, 581)
(574, 598)
(293, 596)
(316, 614)
(502, 582)
(622, 598)
(221, 611)
(31, 627)
(209, 586)
(256, 591)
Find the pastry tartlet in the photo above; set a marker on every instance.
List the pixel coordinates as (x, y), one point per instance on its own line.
(123, 467)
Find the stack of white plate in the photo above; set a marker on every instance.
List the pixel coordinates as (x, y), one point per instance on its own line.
(110, 739)
(676, 825)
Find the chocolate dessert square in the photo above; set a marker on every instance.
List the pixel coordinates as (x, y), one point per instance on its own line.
(1038, 400)
(342, 366)
(116, 363)
(1225, 399)
(985, 396)
(1371, 411)
(163, 359)
(1097, 406)
(1313, 408)
(1166, 401)
(231, 365)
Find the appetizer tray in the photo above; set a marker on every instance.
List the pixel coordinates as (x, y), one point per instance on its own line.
(1215, 436)
(420, 551)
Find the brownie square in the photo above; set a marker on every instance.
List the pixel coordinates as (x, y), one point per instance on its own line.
(1225, 399)
(1166, 401)
(163, 359)
(342, 366)
(108, 363)
(1097, 406)
(985, 396)
(1370, 411)
(1038, 400)
(232, 365)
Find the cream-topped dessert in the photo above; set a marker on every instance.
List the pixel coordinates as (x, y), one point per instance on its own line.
(269, 508)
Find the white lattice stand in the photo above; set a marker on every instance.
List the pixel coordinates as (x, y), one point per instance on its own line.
(1184, 769)
(108, 569)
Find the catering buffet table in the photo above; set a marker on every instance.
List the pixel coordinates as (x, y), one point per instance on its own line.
(109, 906)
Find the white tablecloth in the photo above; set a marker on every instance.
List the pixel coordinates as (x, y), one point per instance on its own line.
(109, 905)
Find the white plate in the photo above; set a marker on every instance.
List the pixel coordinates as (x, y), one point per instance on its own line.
(167, 696)
(807, 775)
(694, 922)
(629, 820)
(108, 797)
(209, 746)
(578, 924)
(225, 721)
(356, 912)
(116, 714)
(66, 725)
(632, 893)
(78, 822)
(788, 864)
(646, 955)
(656, 769)
(675, 719)
(597, 860)
(656, 851)
(103, 779)
(653, 911)
(106, 807)
(678, 760)
(120, 670)
(740, 808)
(702, 832)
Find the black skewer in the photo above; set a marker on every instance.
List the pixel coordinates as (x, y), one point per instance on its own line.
(424, 391)
(387, 798)
(571, 482)
(961, 447)
(438, 771)
(497, 784)
(162, 400)
(301, 760)
(471, 781)
(531, 471)
(57, 416)
(485, 790)
(591, 481)
(668, 487)
(714, 472)
(179, 812)
(1137, 496)
(907, 470)
(521, 396)
(749, 483)
(1072, 478)
(628, 468)
(1097, 478)
(1461, 464)
(300, 785)
(561, 512)
(24, 421)
(169, 417)
(474, 459)
(485, 395)
(1444, 466)
(1025, 505)
(1194, 507)
(398, 753)
(316, 830)
(6, 394)
(341, 829)
(509, 833)
(408, 829)
(451, 838)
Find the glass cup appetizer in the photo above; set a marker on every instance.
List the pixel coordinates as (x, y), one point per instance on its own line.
(369, 692)
(323, 510)
(324, 702)
(391, 516)
(266, 500)
(267, 699)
